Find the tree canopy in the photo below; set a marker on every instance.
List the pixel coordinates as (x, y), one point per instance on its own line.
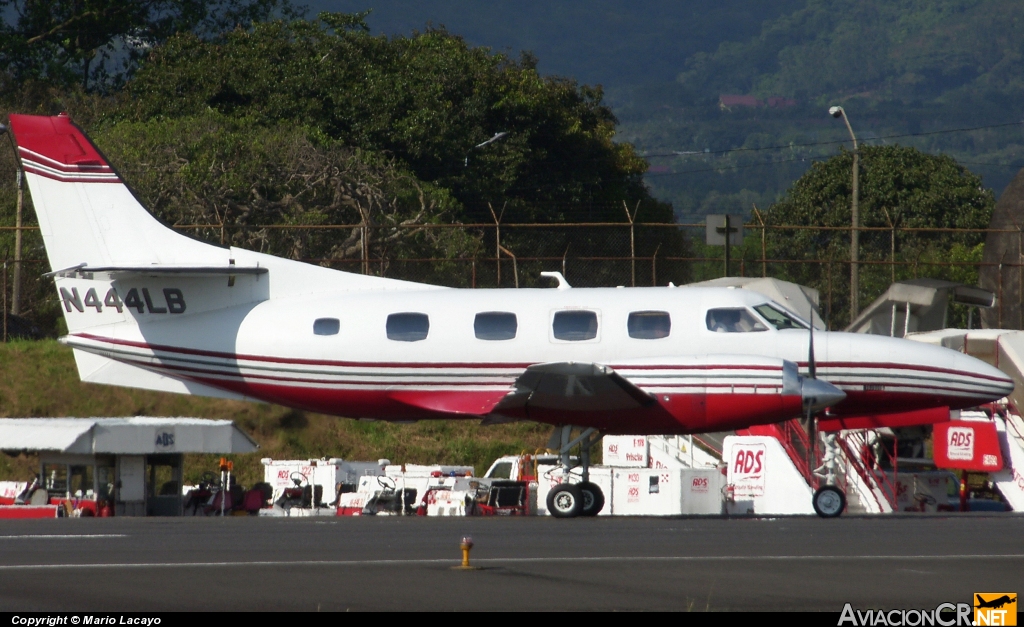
(429, 100)
(100, 42)
(899, 187)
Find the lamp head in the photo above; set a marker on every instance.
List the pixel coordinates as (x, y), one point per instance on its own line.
(836, 112)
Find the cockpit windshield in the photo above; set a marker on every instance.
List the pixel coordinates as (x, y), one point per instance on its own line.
(780, 319)
(733, 320)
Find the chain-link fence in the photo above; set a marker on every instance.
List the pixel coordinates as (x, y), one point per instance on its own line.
(601, 254)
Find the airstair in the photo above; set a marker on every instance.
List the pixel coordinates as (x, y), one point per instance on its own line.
(1003, 349)
(1010, 480)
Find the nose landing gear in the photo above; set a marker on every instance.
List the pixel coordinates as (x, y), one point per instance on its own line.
(828, 500)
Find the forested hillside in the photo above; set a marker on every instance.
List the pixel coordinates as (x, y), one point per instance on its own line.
(908, 68)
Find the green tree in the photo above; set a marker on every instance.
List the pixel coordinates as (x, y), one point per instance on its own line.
(216, 170)
(99, 42)
(899, 187)
(427, 99)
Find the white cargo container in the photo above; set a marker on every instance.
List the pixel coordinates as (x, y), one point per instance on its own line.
(667, 492)
(626, 451)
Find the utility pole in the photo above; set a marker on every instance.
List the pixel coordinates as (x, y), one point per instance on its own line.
(16, 291)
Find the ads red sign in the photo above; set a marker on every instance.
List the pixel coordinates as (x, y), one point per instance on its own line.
(967, 445)
(746, 469)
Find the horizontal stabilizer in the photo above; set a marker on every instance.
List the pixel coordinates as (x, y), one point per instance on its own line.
(99, 369)
(110, 273)
(571, 386)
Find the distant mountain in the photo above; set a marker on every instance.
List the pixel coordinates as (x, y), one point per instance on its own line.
(956, 51)
(615, 43)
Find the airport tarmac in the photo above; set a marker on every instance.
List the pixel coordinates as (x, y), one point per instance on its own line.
(378, 563)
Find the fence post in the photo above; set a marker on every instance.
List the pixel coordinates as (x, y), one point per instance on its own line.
(497, 239)
(1000, 296)
(764, 247)
(474, 273)
(632, 237)
(5, 299)
(1020, 274)
(16, 291)
(828, 323)
(654, 266)
(892, 244)
(365, 252)
(515, 266)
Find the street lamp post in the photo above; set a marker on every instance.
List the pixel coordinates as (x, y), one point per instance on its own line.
(838, 112)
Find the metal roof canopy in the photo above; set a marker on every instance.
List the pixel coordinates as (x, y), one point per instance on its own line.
(928, 302)
(139, 435)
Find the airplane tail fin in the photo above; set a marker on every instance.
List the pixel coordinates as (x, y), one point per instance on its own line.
(87, 215)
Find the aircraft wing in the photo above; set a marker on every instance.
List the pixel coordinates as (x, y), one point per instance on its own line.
(572, 386)
(563, 386)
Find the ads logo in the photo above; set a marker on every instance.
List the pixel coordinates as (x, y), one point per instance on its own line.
(960, 443)
(746, 471)
(995, 608)
(164, 440)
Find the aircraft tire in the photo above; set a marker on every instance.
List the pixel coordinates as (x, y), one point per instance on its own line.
(828, 501)
(565, 501)
(593, 498)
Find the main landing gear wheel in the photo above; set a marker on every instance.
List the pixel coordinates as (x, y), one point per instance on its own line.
(829, 501)
(593, 498)
(565, 501)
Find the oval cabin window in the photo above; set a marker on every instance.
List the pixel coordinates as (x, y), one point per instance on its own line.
(326, 326)
(408, 327)
(495, 325)
(649, 325)
(575, 326)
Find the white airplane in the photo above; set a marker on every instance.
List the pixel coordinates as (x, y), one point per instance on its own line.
(148, 307)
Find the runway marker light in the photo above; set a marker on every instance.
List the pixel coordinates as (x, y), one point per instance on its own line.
(466, 544)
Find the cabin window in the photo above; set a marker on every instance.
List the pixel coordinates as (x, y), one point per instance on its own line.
(649, 325)
(575, 326)
(495, 325)
(408, 327)
(326, 326)
(733, 320)
(780, 319)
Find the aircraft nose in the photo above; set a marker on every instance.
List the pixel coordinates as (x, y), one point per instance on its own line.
(820, 394)
(988, 380)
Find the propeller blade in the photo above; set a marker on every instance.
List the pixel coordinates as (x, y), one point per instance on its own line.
(811, 366)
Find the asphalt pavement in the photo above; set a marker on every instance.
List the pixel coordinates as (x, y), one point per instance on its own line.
(385, 563)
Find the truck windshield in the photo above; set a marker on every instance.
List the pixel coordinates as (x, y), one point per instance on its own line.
(501, 470)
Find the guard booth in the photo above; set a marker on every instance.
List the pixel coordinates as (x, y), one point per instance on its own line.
(133, 464)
